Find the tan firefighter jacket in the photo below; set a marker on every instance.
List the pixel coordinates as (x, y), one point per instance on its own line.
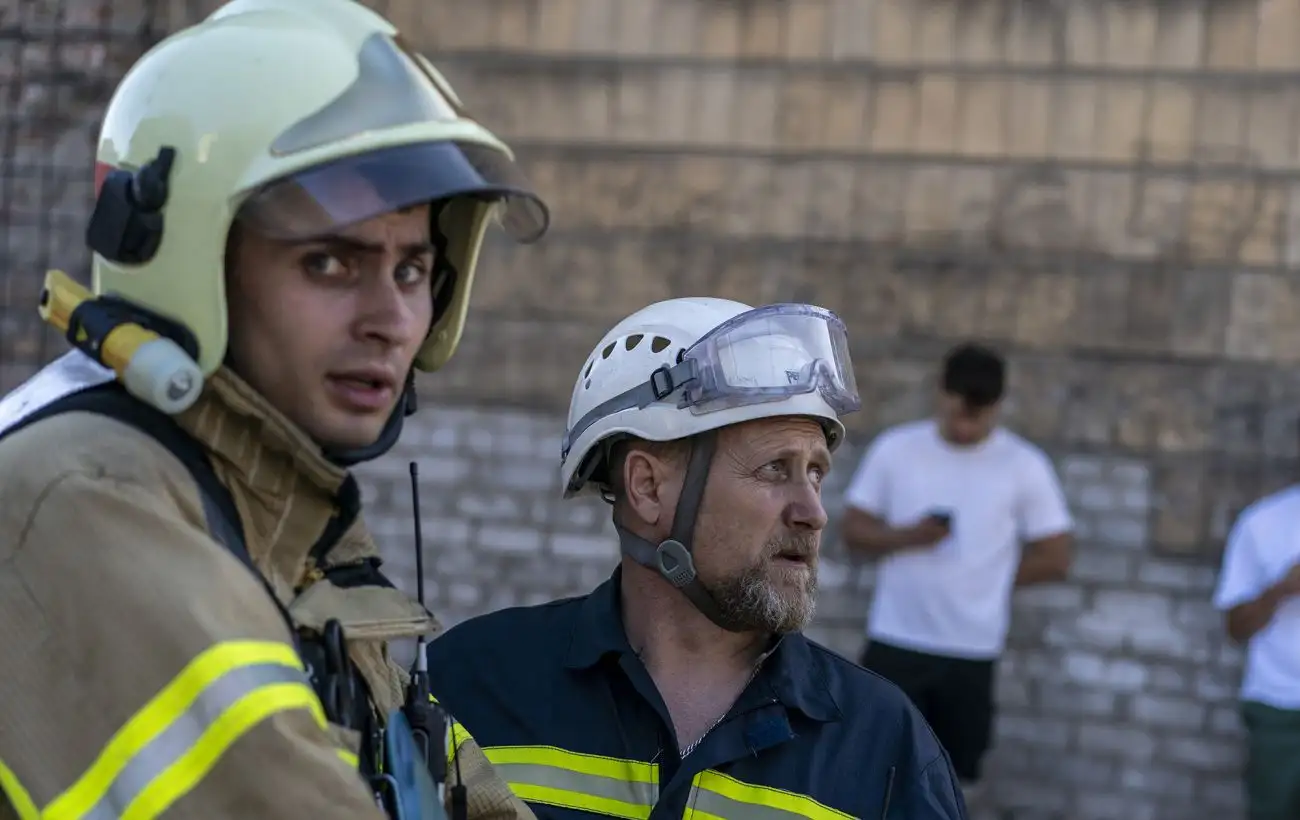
(144, 671)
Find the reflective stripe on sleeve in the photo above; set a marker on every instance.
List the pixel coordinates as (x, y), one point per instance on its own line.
(601, 785)
(172, 743)
(716, 796)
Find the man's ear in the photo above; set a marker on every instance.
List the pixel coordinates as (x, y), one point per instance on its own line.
(650, 486)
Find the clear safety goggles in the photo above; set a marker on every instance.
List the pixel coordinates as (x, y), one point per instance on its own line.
(768, 354)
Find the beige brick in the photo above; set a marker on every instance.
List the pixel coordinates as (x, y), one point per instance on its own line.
(785, 203)
(1130, 33)
(1030, 119)
(591, 106)
(1170, 127)
(1230, 32)
(715, 97)
(937, 114)
(893, 30)
(552, 109)
(718, 32)
(881, 187)
(1120, 128)
(634, 31)
(1180, 37)
(1271, 130)
(806, 28)
(851, 29)
(675, 105)
(677, 27)
(458, 25)
(1261, 324)
(1221, 123)
(936, 34)
(515, 27)
(1084, 38)
(556, 22)
(1220, 213)
(1200, 314)
(845, 116)
(956, 293)
(1074, 118)
(832, 197)
(1026, 40)
(929, 203)
(979, 32)
(999, 304)
(633, 107)
(1112, 203)
(1103, 299)
(893, 115)
(754, 112)
(749, 186)
(1045, 308)
(984, 109)
(800, 111)
(762, 30)
(1262, 230)
(971, 189)
(701, 184)
(596, 27)
(1278, 44)
(1179, 521)
(1156, 224)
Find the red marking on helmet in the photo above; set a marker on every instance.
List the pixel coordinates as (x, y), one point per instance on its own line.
(101, 173)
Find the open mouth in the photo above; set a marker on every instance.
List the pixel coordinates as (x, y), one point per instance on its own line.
(358, 392)
(793, 557)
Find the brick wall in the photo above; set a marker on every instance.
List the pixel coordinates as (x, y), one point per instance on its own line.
(1108, 191)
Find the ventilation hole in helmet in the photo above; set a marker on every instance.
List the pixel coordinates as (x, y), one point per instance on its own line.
(587, 386)
(658, 343)
(632, 341)
(604, 354)
(681, 354)
(590, 365)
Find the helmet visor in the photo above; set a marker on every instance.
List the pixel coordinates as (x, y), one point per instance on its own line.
(322, 199)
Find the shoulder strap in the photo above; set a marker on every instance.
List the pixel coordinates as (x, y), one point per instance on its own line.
(112, 400)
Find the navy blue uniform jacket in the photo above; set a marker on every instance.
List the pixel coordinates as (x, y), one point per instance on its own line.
(566, 711)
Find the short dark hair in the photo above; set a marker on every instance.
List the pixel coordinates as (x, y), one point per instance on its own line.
(975, 373)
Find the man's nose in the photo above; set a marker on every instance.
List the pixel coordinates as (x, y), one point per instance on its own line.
(806, 511)
(385, 311)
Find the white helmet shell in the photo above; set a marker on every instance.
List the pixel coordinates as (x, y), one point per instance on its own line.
(629, 353)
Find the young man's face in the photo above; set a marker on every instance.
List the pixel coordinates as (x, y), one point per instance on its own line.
(963, 424)
(327, 330)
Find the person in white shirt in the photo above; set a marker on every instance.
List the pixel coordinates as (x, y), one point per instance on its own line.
(1259, 590)
(959, 510)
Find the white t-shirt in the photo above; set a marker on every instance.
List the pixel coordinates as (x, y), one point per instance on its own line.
(1262, 547)
(955, 599)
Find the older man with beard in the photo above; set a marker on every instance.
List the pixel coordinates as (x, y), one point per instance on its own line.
(683, 685)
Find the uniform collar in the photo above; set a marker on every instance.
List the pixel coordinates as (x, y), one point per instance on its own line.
(796, 677)
(291, 491)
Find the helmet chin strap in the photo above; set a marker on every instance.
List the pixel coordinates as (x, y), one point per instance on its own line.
(671, 558)
(406, 406)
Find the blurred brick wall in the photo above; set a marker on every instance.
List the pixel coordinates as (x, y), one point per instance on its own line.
(1106, 190)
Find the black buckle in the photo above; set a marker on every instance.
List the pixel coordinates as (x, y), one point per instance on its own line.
(662, 376)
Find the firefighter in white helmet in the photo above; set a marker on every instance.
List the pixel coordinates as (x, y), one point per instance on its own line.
(709, 425)
(290, 207)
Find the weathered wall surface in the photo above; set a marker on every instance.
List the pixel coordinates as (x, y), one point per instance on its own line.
(1108, 191)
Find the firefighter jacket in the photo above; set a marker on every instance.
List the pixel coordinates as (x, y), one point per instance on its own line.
(146, 671)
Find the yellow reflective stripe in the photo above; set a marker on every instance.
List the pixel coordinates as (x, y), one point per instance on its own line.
(17, 795)
(349, 758)
(583, 782)
(716, 796)
(167, 747)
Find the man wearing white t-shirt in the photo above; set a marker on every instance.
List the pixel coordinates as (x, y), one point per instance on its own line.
(1259, 589)
(960, 511)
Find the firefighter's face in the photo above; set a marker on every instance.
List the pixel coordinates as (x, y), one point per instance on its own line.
(327, 330)
(758, 537)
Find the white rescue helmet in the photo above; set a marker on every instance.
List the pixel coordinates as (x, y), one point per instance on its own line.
(685, 366)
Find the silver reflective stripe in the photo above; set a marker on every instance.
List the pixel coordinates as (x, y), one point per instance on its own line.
(639, 796)
(186, 730)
